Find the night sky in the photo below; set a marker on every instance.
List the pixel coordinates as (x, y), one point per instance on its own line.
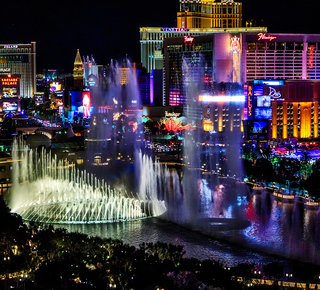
(110, 29)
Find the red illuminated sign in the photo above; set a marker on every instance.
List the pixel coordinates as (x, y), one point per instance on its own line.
(188, 39)
(9, 81)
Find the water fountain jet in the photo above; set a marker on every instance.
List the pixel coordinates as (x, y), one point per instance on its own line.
(47, 190)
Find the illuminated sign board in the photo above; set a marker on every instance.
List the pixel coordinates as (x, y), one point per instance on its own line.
(38, 98)
(220, 99)
(250, 101)
(269, 83)
(9, 81)
(55, 86)
(263, 113)
(235, 44)
(9, 106)
(263, 36)
(168, 115)
(264, 101)
(4, 70)
(173, 29)
(86, 104)
(275, 94)
(11, 46)
(188, 39)
(258, 127)
(9, 92)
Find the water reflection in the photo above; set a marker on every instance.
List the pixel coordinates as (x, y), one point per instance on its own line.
(231, 216)
(284, 229)
(155, 229)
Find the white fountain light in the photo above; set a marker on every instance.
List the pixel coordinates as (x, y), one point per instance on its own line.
(49, 190)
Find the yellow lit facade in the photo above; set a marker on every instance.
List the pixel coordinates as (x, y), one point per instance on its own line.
(78, 71)
(209, 14)
(295, 120)
(296, 116)
(223, 117)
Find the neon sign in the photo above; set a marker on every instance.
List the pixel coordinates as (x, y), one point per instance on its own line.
(168, 115)
(275, 95)
(250, 94)
(311, 58)
(173, 29)
(10, 46)
(235, 44)
(188, 39)
(9, 81)
(263, 36)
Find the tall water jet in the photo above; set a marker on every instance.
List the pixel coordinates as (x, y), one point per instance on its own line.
(115, 127)
(192, 71)
(49, 190)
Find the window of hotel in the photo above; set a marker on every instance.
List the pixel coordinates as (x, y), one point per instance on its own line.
(271, 45)
(298, 46)
(280, 46)
(251, 46)
(261, 45)
(289, 46)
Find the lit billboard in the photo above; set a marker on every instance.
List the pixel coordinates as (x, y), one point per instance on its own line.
(8, 92)
(263, 113)
(9, 106)
(55, 86)
(86, 104)
(264, 101)
(258, 127)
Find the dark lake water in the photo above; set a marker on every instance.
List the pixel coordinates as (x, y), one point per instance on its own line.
(253, 228)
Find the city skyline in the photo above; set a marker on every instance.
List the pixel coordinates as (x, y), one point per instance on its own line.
(111, 30)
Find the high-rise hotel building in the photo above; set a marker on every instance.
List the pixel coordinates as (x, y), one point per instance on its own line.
(20, 60)
(209, 14)
(294, 59)
(194, 18)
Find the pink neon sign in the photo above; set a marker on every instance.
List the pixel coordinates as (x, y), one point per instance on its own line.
(263, 36)
(188, 39)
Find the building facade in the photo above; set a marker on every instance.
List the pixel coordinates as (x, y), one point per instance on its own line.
(291, 107)
(282, 56)
(151, 40)
(78, 72)
(209, 14)
(20, 59)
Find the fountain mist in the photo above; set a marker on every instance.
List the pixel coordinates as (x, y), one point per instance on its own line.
(49, 190)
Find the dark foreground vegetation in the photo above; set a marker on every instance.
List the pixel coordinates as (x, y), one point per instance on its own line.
(34, 256)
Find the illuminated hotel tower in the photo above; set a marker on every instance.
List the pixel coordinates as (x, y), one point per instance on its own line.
(209, 14)
(20, 59)
(78, 71)
(208, 17)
